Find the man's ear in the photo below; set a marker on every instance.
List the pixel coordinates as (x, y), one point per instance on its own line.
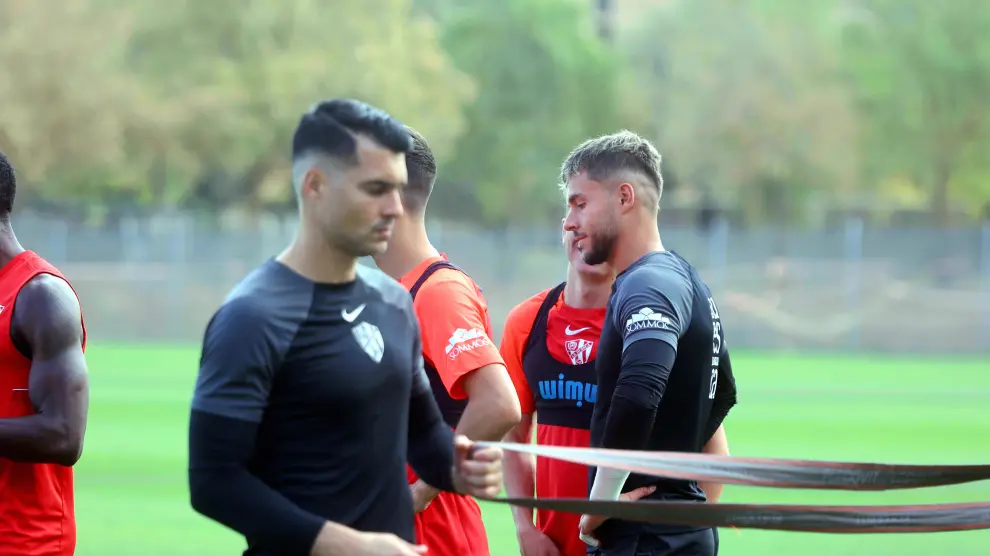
(313, 182)
(627, 196)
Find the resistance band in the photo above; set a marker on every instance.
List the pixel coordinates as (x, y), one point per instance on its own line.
(768, 472)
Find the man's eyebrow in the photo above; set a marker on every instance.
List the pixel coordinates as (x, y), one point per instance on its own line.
(573, 197)
(384, 183)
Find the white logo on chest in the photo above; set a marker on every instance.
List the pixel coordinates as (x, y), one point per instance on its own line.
(370, 339)
(570, 332)
(1, 308)
(349, 317)
(579, 351)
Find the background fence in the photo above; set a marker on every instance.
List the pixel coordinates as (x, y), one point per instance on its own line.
(849, 288)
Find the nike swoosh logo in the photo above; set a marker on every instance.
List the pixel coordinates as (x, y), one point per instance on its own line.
(349, 317)
(570, 332)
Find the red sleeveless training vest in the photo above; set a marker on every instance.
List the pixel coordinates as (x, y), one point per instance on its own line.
(37, 506)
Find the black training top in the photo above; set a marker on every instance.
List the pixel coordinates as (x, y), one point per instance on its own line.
(307, 398)
(664, 378)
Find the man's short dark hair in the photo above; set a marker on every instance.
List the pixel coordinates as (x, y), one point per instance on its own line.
(623, 152)
(8, 188)
(331, 128)
(421, 166)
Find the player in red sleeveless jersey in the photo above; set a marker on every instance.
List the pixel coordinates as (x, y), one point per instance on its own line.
(466, 371)
(44, 395)
(549, 345)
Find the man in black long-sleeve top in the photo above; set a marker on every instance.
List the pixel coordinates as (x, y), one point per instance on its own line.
(311, 393)
(664, 378)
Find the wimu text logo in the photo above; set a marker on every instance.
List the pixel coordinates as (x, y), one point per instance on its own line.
(571, 390)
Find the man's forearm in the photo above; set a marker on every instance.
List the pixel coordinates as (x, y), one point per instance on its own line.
(488, 416)
(642, 382)
(485, 419)
(431, 443)
(223, 490)
(718, 445)
(608, 484)
(629, 424)
(37, 439)
(240, 501)
(431, 455)
(520, 472)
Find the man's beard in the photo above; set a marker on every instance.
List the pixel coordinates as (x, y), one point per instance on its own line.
(600, 247)
(354, 245)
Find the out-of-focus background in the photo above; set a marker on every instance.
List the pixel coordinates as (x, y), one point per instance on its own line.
(827, 168)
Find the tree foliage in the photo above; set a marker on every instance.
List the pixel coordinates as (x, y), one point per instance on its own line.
(69, 113)
(546, 82)
(198, 99)
(747, 106)
(245, 80)
(779, 108)
(922, 71)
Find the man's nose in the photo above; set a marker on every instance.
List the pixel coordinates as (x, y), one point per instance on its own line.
(393, 205)
(570, 222)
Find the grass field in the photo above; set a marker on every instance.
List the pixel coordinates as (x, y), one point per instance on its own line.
(132, 498)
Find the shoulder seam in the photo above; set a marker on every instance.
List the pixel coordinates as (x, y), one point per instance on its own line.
(281, 353)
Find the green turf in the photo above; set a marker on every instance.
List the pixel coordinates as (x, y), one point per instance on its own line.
(131, 490)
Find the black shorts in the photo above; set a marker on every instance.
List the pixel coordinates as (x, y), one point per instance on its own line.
(692, 543)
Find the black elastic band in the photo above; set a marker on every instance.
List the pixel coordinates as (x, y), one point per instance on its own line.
(819, 519)
(768, 472)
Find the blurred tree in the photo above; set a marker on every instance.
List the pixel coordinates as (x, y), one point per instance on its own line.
(923, 70)
(238, 74)
(546, 82)
(70, 110)
(747, 102)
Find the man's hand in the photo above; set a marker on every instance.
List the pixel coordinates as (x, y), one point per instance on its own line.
(477, 472)
(589, 523)
(338, 540)
(422, 495)
(532, 542)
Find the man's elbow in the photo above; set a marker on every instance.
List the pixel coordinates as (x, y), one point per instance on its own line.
(69, 455)
(501, 413)
(723, 405)
(65, 445)
(493, 401)
(202, 493)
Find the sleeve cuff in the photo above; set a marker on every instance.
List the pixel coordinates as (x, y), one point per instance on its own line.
(608, 484)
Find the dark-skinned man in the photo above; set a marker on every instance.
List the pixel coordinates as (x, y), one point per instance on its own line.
(44, 395)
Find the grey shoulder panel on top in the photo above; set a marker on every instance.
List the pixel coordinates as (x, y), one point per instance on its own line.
(276, 299)
(390, 290)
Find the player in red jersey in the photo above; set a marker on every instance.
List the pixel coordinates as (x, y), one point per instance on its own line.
(469, 379)
(44, 395)
(549, 345)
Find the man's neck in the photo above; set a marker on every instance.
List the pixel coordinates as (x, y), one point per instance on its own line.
(586, 293)
(408, 247)
(641, 237)
(9, 246)
(315, 259)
